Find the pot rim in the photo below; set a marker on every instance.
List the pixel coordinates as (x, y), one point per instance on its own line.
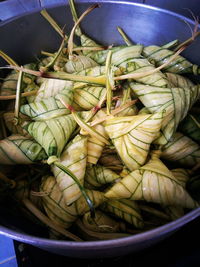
(126, 2)
(134, 239)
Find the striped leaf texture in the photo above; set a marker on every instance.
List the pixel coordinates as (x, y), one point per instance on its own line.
(87, 42)
(9, 84)
(101, 223)
(176, 80)
(96, 146)
(159, 55)
(137, 65)
(153, 182)
(56, 208)
(52, 87)
(49, 108)
(174, 101)
(17, 149)
(94, 71)
(97, 175)
(182, 150)
(52, 134)
(15, 129)
(120, 54)
(74, 157)
(132, 137)
(88, 97)
(190, 126)
(181, 175)
(124, 209)
(31, 87)
(79, 63)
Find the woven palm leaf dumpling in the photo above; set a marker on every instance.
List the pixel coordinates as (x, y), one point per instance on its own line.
(103, 133)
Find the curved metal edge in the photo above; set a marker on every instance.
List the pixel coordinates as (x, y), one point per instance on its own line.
(35, 10)
(125, 241)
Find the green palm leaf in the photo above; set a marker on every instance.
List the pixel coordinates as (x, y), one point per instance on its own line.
(153, 183)
(17, 149)
(96, 146)
(175, 101)
(126, 210)
(79, 63)
(97, 175)
(190, 126)
(137, 65)
(9, 84)
(74, 157)
(52, 87)
(177, 80)
(15, 129)
(160, 55)
(101, 223)
(133, 135)
(120, 54)
(88, 97)
(52, 134)
(182, 150)
(55, 205)
(49, 108)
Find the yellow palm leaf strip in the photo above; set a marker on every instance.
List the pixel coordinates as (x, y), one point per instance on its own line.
(54, 59)
(55, 205)
(17, 149)
(125, 209)
(100, 80)
(90, 48)
(95, 146)
(48, 54)
(182, 150)
(132, 136)
(97, 175)
(90, 235)
(153, 182)
(94, 110)
(53, 23)
(74, 156)
(109, 82)
(84, 125)
(70, 41)
(10, 97)
(43, 218)
(54, 160)
(113, 113)
(146, 73)
(18, 98)
(181, 175)
(124, 36)
(102, 223)
(9, 60)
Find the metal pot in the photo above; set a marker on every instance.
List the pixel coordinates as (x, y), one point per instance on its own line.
(24, 37)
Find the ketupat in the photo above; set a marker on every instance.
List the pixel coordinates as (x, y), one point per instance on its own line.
(153, 182)
(74, 157)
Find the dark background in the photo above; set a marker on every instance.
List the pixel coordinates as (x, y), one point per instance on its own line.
(10, 8)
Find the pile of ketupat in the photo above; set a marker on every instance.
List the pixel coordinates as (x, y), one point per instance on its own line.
(97, 132)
